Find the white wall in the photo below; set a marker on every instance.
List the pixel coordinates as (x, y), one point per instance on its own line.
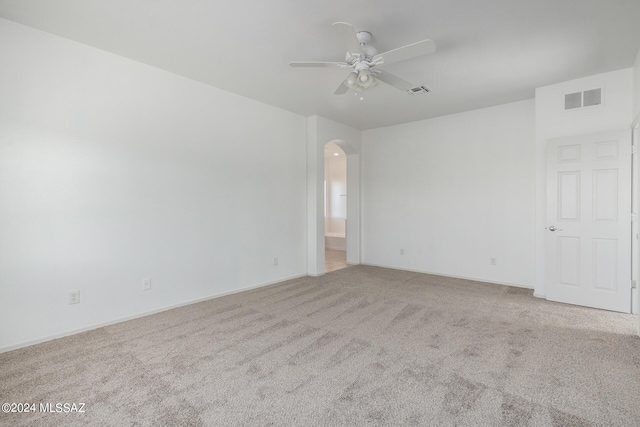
(112, 171)
(453, 192)
(552, 121)
(636, 183)
(336, 177)
(636, 88)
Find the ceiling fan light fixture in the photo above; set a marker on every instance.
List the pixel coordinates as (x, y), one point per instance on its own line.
(365, 79)
(352, 79)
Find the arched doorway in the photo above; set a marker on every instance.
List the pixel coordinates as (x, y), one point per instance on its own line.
(319, 132)
(335, 207)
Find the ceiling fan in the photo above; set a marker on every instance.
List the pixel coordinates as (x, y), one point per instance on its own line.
(364, 60)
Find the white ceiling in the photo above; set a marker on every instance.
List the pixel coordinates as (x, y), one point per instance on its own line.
(489, 52)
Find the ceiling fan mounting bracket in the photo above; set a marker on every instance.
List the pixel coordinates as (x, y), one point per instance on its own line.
(364, 37)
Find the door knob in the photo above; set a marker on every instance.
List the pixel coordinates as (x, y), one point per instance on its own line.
(553, 228)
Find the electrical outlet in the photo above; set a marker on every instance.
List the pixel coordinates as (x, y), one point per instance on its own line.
(275, 261)
(401, 251)
(146, 284)
(492, 261)
(74, 297)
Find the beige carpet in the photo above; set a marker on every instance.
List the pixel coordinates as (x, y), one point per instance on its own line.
(359, 346)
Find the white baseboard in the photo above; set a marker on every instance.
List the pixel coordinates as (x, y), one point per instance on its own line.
(138, 315)
(539, 295)
(451, 276)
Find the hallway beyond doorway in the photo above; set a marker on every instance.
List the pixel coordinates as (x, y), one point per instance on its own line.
(334, 260)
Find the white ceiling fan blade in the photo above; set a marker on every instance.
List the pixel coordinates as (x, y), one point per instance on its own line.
(347, 34)
(342, 89)
(395, 81)
(319, 64)
(424, 47)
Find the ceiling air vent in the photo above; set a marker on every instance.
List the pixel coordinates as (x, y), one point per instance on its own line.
(588, 98)
(418, 90)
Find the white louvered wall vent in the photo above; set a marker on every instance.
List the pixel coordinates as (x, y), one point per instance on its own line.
(588, 98)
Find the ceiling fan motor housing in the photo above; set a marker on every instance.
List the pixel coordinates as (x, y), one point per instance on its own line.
(369, 51)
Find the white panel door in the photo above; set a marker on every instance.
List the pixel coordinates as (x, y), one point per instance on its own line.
(588, 243)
